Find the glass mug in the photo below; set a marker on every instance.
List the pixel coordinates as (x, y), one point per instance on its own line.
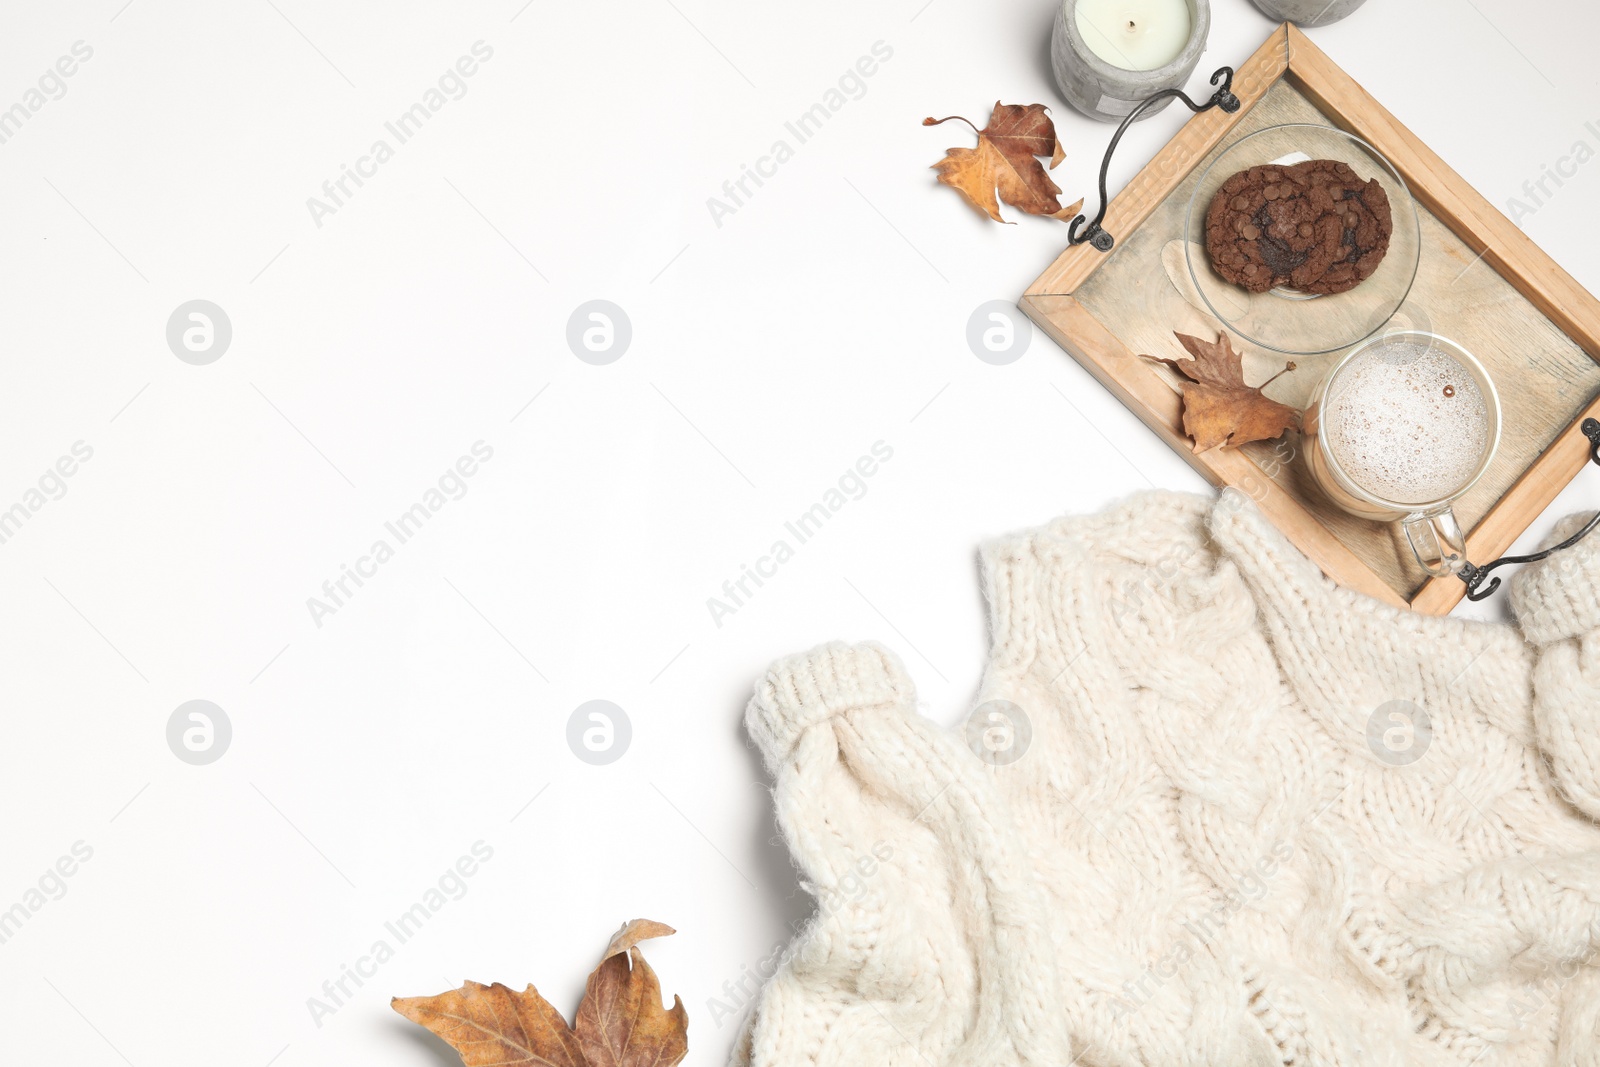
(1398, 430)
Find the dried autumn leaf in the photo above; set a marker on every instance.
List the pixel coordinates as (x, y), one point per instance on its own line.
(1218, 407)
(492, 1024)
(621, 1022)
(1004, 160)
(632, 932)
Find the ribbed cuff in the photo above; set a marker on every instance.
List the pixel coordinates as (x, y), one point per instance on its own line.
(799, 692)
(1559, 597)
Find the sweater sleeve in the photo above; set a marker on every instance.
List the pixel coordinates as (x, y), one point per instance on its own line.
(924, 948)
(1557, 602)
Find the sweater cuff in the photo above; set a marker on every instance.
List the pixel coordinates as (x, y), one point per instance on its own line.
(799, 692)
(1559, 597)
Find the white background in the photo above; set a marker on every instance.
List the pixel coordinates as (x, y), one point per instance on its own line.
(768, 353)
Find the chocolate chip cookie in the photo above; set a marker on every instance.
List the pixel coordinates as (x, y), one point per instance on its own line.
(1312, 226)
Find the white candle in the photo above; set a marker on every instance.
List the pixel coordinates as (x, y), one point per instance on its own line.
(1134, 34)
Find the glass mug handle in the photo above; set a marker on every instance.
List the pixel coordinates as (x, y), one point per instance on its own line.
(1437, 542)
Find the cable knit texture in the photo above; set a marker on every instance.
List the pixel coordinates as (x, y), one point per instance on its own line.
(1242, 817)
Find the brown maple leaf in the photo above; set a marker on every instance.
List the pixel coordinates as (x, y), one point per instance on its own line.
(621, 1022)
(1004, 159)
(1218, 407)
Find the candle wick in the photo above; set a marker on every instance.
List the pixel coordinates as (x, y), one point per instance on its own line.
(1131, 26)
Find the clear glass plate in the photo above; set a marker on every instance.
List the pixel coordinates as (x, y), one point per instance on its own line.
(1287, 320)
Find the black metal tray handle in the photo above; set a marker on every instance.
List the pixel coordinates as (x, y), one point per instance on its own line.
(1474, 575)
(1094, 233)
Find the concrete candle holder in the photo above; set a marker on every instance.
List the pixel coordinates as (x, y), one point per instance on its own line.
(1308, 12)
(1110, 93)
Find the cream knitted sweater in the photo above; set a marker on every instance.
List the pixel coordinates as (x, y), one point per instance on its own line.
(1259, 820)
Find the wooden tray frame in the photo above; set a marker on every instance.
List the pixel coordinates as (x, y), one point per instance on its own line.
(1289, 54)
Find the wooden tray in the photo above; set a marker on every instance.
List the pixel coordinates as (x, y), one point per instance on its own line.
(1481, 282)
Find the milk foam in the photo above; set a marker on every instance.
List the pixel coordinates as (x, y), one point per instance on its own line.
(1406, 422)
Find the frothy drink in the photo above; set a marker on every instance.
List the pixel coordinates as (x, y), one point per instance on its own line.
(1406, 422)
